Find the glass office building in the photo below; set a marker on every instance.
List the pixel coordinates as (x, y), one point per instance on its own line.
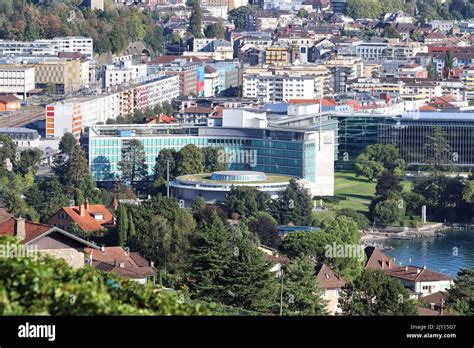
(354, 134)
(410, 133)
(307, 154)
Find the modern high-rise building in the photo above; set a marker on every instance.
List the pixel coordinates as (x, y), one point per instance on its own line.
(306, 154)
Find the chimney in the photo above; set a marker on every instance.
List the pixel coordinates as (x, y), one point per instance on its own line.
(152, 264)
(122, 264)
(102, 248)
(82, 210)
(424, 267)
(418, 271)
(86, 204)
(20, 229)
(406, 268)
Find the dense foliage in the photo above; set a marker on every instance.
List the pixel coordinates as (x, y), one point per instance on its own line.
(461, 296)
(112, 29)
(50, 287)
(375, 293)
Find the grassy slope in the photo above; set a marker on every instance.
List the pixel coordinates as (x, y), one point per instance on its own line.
(358, 191)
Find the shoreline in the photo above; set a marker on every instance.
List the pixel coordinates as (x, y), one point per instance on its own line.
(371, 238)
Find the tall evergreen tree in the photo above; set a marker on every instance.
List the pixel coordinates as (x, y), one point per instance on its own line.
(431, 68)
(67, 143)
(209, 258)
(248, 281)
(448, 63)
(294, 205)
(301, 294)
(439, 155)
(133, 164)
(195, 22)
(160, 170)
(123, 225)
(76, 168)
(131, 226)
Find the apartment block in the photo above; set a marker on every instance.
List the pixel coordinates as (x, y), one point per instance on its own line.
(281, 88)
(73, 114)
(285, 82)
(122, 72)
(343, 70)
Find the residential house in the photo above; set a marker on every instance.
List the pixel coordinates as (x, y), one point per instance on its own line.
(376, 259)
(89, 217)
(421, 280)
(48, 239)
(119, 261)
(332, 284)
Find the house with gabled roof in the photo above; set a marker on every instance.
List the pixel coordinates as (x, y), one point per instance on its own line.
(421, 280)
(47, 239)
(78, 252)
(117, 260)
(376, 259)
(331, 284)
(89, 217)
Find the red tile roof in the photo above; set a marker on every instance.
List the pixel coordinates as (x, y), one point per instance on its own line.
(88, 221)
(436, 298)
(32, 229)
(417, 274)
(422, 311)
(325, 102)
(327, 278)
(376, 259)
(8, 98)
(117, 260)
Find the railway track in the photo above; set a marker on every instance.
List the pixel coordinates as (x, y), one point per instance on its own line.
(21, 118)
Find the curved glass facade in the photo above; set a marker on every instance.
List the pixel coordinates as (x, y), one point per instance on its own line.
(238, 176)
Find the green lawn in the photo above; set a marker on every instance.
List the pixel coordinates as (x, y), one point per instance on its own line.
(357, 190)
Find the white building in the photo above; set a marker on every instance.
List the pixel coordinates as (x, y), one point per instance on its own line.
(250, 118)
(16, 79)
(372, 50)
(420, 280)
(48, 47)
(74, 44)
(278, 88)
(217, 11)
(122, 72)
(24, 138)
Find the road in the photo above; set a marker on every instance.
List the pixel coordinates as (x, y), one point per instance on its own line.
(22, 117)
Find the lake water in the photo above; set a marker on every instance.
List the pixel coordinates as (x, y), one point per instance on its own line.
(446, 254)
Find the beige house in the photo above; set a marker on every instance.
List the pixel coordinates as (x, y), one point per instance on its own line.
(331, 284)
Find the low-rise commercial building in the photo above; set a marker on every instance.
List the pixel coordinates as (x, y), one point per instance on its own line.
(17, 79)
